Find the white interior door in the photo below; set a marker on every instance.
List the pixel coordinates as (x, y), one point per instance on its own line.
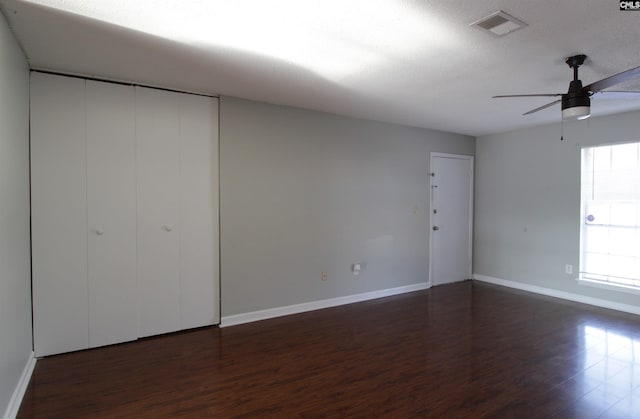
(58, 214)
(199, 211)
(111, 209)
(451, 218)
(158, 172)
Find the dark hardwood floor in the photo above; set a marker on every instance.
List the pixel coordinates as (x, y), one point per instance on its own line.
(455, 351)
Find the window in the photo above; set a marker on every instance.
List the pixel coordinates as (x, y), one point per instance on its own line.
(610, 211)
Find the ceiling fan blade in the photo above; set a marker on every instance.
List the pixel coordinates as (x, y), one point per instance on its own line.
(613, 80)
(533, 95)
(611, 94)
(548, 105)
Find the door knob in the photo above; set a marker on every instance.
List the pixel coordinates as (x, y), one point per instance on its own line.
(99, 231)
(436, 228)
(167, 227)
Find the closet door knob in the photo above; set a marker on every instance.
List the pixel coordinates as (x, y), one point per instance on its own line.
(167, 227)
(99, 231)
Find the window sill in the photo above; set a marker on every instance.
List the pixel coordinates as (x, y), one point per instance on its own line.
(597, 284)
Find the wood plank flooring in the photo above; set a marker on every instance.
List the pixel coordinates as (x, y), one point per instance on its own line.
(454, 351)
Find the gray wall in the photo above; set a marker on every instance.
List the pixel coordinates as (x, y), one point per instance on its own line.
(527, 202)
(304, 192)
(15, 276)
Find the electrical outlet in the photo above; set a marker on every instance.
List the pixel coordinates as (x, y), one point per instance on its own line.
(355, 269)
(324, 276)
(568, 269)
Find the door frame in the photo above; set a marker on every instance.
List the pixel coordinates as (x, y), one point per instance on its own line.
(471, 161)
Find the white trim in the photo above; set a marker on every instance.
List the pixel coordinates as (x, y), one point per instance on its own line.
(471, 160)
(21, 388)
(317, 305)
(627, 308)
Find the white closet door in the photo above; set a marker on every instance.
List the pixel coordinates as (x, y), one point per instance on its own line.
(59, 214)
(111, 201)
(158, 172)
(199, 211)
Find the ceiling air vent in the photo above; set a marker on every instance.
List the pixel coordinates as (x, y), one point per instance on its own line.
(499, 23)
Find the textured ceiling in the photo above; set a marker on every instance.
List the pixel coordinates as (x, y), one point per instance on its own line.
(416, 63)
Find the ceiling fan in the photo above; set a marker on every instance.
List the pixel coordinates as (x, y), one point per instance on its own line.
(576, 103)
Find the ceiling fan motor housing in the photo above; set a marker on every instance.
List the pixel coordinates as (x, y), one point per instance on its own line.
(576, 102)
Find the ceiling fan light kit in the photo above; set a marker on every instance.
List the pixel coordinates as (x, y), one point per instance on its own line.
(577, 112)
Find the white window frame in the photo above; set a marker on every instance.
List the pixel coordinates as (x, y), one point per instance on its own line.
(585, 278)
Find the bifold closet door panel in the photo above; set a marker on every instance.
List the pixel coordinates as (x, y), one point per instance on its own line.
(59, 214)
(111, 201)
(199, 211)
(158, 245)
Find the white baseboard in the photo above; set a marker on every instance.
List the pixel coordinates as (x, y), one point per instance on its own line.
(559, 294)
(317, 305)
(21, 388)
